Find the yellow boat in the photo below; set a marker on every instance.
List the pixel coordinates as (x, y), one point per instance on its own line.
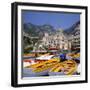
(43, 65)
(55, 67)
(70, 67)
(43, 54)
(44, 62)
(76, 55)
(29, 55)
(64, 68)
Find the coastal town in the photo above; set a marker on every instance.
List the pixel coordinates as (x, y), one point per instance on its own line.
(55, 53)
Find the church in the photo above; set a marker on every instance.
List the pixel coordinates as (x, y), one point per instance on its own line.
(57, 40)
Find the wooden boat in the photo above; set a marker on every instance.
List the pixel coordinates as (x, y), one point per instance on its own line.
(43, 63)
(46, 54)
(28, 72)
(70, 67)
(29, 55)
(46, 58)
(65, 68)
(39, 69)
(27, 62)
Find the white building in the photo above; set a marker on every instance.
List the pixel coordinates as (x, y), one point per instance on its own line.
(56, 40)
(76, 38)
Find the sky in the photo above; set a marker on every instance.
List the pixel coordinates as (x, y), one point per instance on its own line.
(57, 20)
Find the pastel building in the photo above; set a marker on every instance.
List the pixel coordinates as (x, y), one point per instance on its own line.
(56, 40)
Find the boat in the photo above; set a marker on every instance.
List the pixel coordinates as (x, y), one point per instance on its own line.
(56, 70)
(44, 57)
(30, 55)
(68, 67)
(28, 72)
(39, 69)
(41, 54)
(47, 57)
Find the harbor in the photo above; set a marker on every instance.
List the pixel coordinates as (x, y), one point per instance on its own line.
(51, 63)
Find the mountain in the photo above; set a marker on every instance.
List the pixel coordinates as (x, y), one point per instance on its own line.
(72, 29)
(37, 30)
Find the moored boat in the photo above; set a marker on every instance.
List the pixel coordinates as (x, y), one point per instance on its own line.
(68, 67)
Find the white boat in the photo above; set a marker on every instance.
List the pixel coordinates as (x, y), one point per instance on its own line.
(44, 57)
(28, 62)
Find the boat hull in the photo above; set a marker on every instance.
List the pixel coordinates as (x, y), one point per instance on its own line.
(27, 72)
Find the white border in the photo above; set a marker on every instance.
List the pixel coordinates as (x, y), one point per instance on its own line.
(57, 78)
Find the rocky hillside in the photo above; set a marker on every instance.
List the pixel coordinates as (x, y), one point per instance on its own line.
(35, 30)
(72, 29)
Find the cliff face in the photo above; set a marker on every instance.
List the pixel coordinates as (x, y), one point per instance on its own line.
(72, 29)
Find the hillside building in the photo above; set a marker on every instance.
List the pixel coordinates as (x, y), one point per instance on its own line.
(56, 40)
